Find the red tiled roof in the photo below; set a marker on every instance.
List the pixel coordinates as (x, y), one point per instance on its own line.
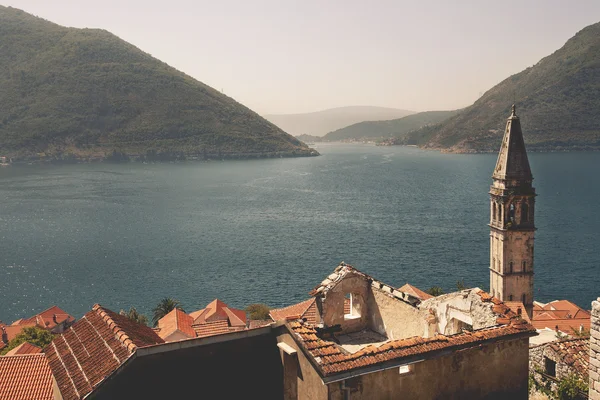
(24, 377)
(562, 315)
(575, 353)
(93, 348)
(216, 310)
(412, 290)
(518, 308)
(13, 330)
(24, 348)
(214, 328)
(47, 319)
(305, 309)
(331, 359)
(176, 320)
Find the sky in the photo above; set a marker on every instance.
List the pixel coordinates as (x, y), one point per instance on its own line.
(294, 56)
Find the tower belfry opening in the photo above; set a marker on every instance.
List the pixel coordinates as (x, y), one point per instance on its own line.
(512, 223)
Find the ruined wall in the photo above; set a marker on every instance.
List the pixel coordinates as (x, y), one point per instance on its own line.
(537, 357)
(594, 371)
(332, 306)
(394, 318)
(496, 371)
(456, 310)
(305, 383)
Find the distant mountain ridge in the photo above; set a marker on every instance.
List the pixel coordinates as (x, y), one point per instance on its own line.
(558, 101)
(319, 123)
(76, 94)
(387, 129)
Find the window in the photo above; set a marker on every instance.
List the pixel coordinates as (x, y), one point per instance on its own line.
(524, 299)
(510, 267)
(524, 212)
(524, 266)
(550, 366)
(510, 297)
(493, 211)
(511, 213)
(352, 306)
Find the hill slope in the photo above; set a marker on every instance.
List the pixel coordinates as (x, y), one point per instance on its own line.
(558, 100)
(320, 122)
(85, 93)
(386, 129)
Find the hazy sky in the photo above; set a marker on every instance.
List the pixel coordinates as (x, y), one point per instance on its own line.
(285, 56)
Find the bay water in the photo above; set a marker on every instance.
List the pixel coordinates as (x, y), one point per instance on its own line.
(268, 231)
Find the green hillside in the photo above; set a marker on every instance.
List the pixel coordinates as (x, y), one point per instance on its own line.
(558, 100)
(86, 94)
(386, 129)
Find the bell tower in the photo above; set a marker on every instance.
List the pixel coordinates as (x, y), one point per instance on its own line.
(512, 223)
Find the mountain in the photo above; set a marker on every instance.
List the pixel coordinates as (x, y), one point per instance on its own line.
(86, 94)
(386, 129)
(310, 138)
(320, 122)
(558, 101)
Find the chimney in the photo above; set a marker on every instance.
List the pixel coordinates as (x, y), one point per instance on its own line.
(4, 336)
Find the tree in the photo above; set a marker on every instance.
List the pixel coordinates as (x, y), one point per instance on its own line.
(570, 387)
(165, 306)
(34, 335)
(460, 285)
(133, 315)
(435, 291)
(258, 311)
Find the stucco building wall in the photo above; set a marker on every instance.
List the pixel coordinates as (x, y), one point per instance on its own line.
(393, 318)
(493, 371)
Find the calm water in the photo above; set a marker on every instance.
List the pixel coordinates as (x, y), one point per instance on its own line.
(269, 230)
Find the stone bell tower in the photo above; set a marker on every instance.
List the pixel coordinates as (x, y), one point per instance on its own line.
(512, 224)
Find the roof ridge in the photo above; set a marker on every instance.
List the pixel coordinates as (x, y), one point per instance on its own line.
(121, 335)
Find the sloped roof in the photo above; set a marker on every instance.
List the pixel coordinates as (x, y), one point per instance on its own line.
(575, 353)
(330, 358)
(176, 320)
(216, 310)
(24, 377)
(305, 309)
(562, 314)
(215, 328)
(93, 348)
(518, 308)
(48, 318)
(25, 348)
(512, 160)
(415, 291)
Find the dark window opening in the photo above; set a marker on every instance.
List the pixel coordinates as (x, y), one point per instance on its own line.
(510, 267)
(524, 266)
(510, 297)
(524, 298)
(550, 366)
(524, 212)
(511, 213)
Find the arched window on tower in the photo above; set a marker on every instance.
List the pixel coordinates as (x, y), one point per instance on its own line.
(494, 211)
(524, 298)
(510, 267)
(510, 297)
(511, 213)
(524, 212)
(499, 216)
(524, 266)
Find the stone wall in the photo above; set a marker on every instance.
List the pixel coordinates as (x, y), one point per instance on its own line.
(594, 371)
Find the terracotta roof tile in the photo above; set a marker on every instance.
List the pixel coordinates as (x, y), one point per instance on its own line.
(575, 353)
(174, 321)
(24, 377)
(412, 290)
(93, 348)
(214, 328)
(47, 319)
(562, 315)
(14, 330)
(216, 310)
(305, 309)
(332, 359)
(24, 348)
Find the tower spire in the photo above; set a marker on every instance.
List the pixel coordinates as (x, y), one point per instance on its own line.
(512, 228)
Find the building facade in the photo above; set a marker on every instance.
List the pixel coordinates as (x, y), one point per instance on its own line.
(512, 223)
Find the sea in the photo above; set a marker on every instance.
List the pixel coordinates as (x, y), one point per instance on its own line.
(268, 231)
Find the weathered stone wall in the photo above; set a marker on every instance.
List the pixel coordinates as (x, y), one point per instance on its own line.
(394, 318)
(493, 371)
(332, 306)
(594, 371)
(537, 356)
